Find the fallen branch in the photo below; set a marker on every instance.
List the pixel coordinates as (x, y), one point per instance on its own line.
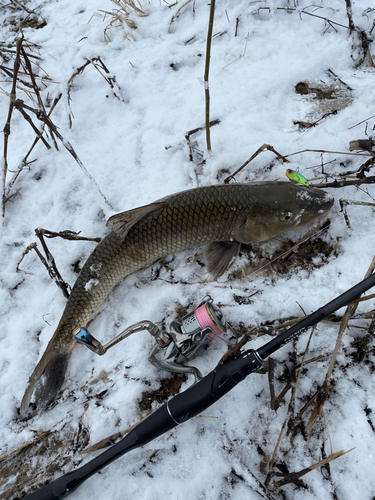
(24, 163)
(291, 9)
(257, 152)
(21, 6)
(360, 172)
(36, 89)
(338, 184)
(19, 105)
(345, 203)
(234, 351)
(110, 80)
(66, 235)
(330, 72)
(231, 449)
(8, 72)
(112, 439)
(41, 115)
(327, 151)
(49, 262)
(191, 132)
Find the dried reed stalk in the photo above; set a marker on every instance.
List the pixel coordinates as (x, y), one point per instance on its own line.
(206, 73)
(16, 68)
(290, 412)
(323, 392)
(294, 476)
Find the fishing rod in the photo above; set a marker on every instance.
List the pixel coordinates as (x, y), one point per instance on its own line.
(196, 398)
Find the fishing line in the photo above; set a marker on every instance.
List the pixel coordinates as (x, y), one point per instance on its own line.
(271, 262)
(216, 333)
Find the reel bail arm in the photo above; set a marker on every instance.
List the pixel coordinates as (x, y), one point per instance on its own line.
(83, 336)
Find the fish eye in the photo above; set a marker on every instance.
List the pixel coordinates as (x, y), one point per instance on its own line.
(284, 215)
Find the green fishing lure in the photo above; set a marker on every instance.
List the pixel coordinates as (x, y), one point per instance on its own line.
(296, 177)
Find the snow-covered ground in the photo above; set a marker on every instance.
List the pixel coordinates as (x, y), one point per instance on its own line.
(133, 144)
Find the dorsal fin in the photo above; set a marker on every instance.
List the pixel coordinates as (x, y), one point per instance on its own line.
(122, 223)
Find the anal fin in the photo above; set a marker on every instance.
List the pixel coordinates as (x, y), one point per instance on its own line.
(219, 255)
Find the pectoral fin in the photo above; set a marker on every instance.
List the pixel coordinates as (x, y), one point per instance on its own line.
(122, 223)
(252, 230)
(219, 255)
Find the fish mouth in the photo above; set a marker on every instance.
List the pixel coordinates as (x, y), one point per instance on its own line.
(320, 218)
(324, 215)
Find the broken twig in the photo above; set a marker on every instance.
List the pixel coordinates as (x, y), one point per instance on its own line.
(345, 203)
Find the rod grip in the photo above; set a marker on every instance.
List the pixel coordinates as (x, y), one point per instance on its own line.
(215, 385)
(182, 407)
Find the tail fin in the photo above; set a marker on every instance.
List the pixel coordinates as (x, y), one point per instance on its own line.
(45, 381)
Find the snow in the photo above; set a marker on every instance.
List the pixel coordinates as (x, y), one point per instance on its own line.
(134, 149)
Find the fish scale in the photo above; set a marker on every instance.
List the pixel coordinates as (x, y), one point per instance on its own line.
(203, 215)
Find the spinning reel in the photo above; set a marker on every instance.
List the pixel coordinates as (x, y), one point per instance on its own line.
(174, 348)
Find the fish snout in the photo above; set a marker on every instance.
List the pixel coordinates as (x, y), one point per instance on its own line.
(325, 203)
(318, 207)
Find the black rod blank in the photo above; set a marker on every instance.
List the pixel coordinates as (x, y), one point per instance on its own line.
(317, 316)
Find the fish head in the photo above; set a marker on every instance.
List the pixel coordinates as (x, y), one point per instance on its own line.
(281, 207)
(293, 206)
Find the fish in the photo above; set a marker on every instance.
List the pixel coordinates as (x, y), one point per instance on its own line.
(222, 216)
(296, 177)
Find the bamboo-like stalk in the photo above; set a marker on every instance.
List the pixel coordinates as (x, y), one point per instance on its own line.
(206, 73)
(7, 125)
(349, 12)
